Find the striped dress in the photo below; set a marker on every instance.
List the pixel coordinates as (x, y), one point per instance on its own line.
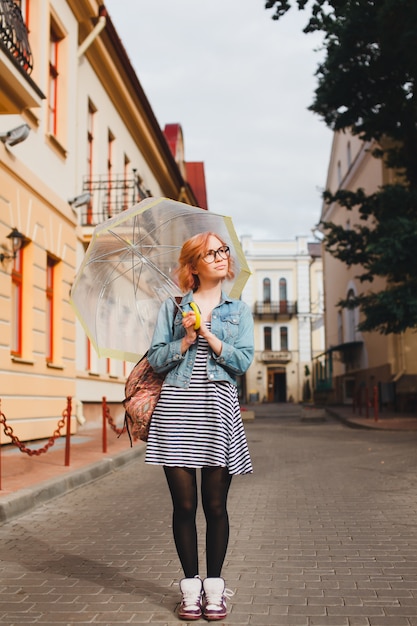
(200, 426)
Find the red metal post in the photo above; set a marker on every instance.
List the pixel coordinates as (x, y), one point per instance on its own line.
(367, 401)
(104, 409)
(376, 407)
(68, 435)
(0, 446)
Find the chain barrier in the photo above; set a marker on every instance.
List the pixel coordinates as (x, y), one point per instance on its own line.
(8, 431)
(110, 420)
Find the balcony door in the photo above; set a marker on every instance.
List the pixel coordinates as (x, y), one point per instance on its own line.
(283, 295)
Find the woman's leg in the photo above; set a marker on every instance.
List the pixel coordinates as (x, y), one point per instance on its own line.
(182, 484)
(215, 483)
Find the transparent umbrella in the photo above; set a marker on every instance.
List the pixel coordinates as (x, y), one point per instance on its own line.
(128, 271)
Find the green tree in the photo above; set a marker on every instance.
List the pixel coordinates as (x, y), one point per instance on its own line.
(367, 84)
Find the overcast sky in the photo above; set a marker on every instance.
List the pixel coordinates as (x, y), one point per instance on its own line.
(239, 84)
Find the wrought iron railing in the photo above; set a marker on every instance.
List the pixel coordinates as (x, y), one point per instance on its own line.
(14, 36)
(282, 308)
(109, 197)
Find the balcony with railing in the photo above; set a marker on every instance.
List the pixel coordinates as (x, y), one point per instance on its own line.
(107, 196)
(17, 90)
(283, 309)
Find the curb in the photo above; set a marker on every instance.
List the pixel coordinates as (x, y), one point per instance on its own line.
(346, 421)
(24, 500)
(380, 426)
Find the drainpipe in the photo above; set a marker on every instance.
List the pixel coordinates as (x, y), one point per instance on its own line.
(92, 36)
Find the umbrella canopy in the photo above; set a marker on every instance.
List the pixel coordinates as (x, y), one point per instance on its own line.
(128, 271)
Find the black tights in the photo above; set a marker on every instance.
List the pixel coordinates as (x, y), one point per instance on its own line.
(215, 483)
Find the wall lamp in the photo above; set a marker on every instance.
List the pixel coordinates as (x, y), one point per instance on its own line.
(17, 240)
(16, 135)
(84, 198)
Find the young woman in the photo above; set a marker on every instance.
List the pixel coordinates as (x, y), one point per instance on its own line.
(197, 422)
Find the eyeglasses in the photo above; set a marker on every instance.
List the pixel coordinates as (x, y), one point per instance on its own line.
(223, 253)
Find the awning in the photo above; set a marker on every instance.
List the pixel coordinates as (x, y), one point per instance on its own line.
(342, 347)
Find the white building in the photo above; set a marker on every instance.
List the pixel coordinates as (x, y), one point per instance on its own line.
(285, 293)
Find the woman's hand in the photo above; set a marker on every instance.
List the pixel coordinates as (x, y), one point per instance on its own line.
(188, 322)
(214, 343)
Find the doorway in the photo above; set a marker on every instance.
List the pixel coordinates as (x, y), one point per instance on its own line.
(277, 385)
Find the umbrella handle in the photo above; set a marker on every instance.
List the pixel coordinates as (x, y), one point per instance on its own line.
(195, 308)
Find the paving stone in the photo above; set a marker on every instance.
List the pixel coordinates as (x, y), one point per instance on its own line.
(321, 535)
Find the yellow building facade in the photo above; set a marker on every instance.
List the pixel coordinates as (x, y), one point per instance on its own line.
(78, 143)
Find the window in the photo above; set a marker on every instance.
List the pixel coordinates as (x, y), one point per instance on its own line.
(282, 295)
(339, 327)
(90, 144)
(125, 202)
(49, 308)
(110, 140)
(89, 349)
(282, 289)
(54, 39)
(283, 334)
(267, 338)
(267, 289)
(339, 172)
(351, 318)
(17, 290)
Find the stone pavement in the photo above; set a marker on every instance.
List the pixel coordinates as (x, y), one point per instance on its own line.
(27, 481)
(322, 534)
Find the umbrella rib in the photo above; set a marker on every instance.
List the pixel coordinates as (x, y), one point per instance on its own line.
(132, 248)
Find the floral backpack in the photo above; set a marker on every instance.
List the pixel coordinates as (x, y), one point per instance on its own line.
(142, 390)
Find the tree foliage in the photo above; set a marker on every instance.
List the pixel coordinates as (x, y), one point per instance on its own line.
(367, 84)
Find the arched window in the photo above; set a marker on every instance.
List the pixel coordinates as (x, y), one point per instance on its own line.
(282, 289)
(282, 295)
(267, 289)
(267, 338)
(339, 172)
(350, 318)
(339, 327)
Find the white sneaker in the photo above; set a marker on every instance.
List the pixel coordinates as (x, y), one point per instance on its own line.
(190, 607)
(215, 596)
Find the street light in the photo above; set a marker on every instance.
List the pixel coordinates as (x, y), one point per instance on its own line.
(80, 200)
(17, 240)
(16, 135)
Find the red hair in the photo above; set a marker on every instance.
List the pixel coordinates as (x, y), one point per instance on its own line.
(191, 252)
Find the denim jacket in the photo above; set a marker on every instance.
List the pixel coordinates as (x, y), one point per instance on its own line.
(231, 322)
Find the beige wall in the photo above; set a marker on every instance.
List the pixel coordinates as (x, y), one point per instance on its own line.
(381, 359)
(48, 224)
